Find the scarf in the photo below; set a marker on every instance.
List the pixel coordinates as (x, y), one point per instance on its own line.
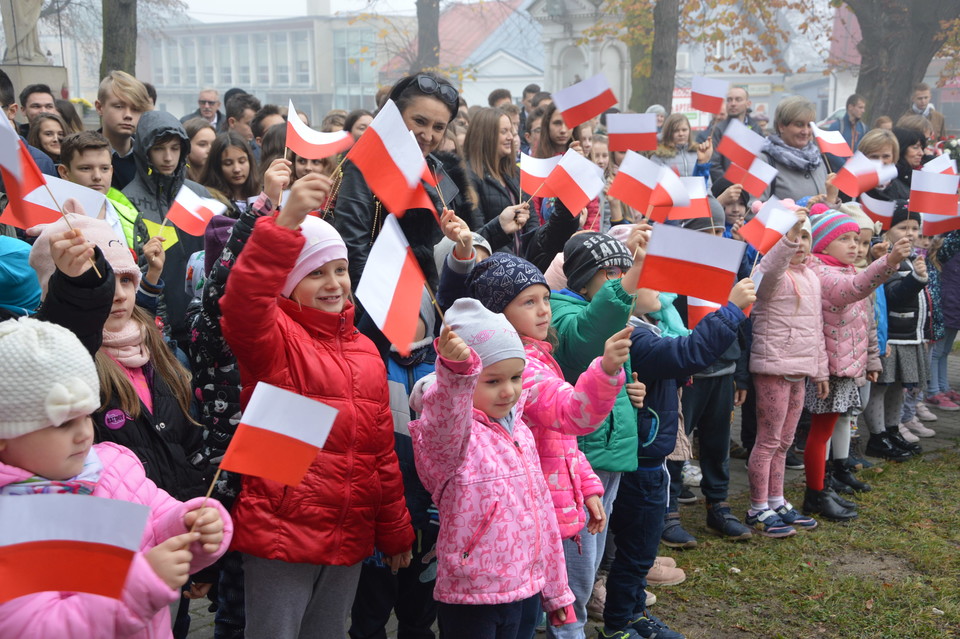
(126, 346)
(830, 260)
(82, 484)
(420, 352)
(925, 112)
(805, 159)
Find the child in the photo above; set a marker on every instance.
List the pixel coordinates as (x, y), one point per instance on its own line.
(231, 172)
(499, 543)
(121, 100)
(556, 411)
(288, 318)
(49, 449)
(846, 326)
(787, 348)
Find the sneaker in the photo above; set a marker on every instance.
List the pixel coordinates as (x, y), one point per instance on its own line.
(723, 522)
(953, 396)
(918, 429)
(626, 633)
(651, 598)
(663, 575)
(941, 401)
(924, 413)
(907, 435)
(674, 536)
(691, 475)
(687, 496)
(669, 562)
(769, 524)
(789, 515)
(598, 599)
(794, 462)
(650, 627)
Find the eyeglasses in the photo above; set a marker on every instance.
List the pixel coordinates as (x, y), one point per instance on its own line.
(445, 92)
(613, 272)
(206, 102)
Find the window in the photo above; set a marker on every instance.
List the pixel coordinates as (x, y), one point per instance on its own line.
(281, 58)
(206, 61)
(156, 55)
(173, 57)
(224, 60)
(354, 73)
(189, 51)
(242, 49)
(262, 56)
(301, 57)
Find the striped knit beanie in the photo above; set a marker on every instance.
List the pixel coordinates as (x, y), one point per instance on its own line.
(828, 226)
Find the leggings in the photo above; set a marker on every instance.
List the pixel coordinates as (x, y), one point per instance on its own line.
(815, 454)
(778, 405)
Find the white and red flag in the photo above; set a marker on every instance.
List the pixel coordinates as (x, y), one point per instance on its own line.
(670, 193)
(391, 286)
(392, 163)
(937, 224)
(831, 142)
(584, 100)
(635, 181)
(934, 193)
(279, 435)
(771, 223)
(311, 144)
(191, 213)
(739, 144)
(697, 309)
(68, 543)
(632, 131)
(878, 210)
(696, 189)
(92, 202)
(754, 179)
(941, 164)
(691, 263)
(708, 94)
(576, 181)
(20, 178)
(534, 172)
(860, 174)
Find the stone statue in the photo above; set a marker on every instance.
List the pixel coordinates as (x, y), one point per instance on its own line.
(20, 19)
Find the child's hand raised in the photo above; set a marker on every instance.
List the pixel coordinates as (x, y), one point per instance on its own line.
(616, 351)
(514, 218)
(307, 194)
(207, 522)
(456, 230)
(636, 391)
(72, 255)
(900, 251)
(171, 559)
(920, 266)
(153, 251)
(451, 347)
(743, 293)
(276, 178)
(637, 241)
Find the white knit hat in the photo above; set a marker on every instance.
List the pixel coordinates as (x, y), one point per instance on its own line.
(47, 377)
(490, 334)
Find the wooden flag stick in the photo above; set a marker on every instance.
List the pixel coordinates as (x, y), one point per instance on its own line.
(69, 225)
(535, 192)
(436, 304)
(213, 483)
(443, 207)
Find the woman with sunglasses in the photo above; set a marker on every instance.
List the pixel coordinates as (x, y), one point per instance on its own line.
(427, 103)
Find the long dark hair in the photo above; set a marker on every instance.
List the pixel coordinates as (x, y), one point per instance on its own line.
(213, 173)
(547, 148)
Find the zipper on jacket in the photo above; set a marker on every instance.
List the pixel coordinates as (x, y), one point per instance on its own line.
(481, 530)
(338, 338)
(536, 514)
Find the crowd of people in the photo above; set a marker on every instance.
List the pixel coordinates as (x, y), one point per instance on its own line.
(518, 465)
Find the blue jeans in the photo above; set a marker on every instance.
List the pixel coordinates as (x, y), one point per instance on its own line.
(938, 362)
(490, 621)
(637, 523)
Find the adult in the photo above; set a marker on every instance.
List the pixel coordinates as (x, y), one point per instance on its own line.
(46, 132)
(677, 152)
(241, 109)
(357, 122)
(921, 105)
(660, 112)
(121, 100)
(792, 151)
(738, 108)
(908, 152)
(8, 102)
(34, 100)
(69, 114)
(427, 103)
(208, 108)
(526, 102)
(265, 118)
(850, 126)
(717, 118)
(542, 100)
(499, 97)
(201, 134)
(530, 139)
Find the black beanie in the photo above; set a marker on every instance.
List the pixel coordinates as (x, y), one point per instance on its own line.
(901, 214)
(586, 253)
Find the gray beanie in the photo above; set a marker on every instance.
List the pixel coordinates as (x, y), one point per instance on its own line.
(47, 377)
(490, 334)
(445, 246)
(717, 218)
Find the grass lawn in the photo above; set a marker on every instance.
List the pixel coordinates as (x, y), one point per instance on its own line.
(892, 573)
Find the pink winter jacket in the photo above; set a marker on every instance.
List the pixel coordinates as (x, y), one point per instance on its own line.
(557, 413)
(846, 324)
(787, 318)
(143, 609)
(498, 541)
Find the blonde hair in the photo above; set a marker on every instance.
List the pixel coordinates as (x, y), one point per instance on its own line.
(875, 139)
(669, 128)
(127, 88)
(792, 109)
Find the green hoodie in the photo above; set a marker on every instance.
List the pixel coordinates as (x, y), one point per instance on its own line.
(583, 328)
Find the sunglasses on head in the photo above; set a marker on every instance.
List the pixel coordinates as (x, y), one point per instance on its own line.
(446, 92)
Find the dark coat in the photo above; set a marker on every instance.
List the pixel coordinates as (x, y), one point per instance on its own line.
(950, 279)
(907, 310)
(493, 198)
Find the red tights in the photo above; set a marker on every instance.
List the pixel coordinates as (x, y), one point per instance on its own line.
(815, 454)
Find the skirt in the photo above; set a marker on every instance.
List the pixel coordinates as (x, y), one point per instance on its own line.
(907, 364)
(844, 395)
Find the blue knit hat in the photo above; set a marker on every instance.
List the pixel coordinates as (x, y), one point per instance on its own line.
(19, 286)
(500, 278)
(828, 226)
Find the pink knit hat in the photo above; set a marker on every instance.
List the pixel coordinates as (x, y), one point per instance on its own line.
(323, 245)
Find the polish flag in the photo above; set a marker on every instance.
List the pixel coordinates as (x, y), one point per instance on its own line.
(941, 164)
(878, 210)
(310, 144)
(392, 163)
(697, 309)
(39, 203)
(755, 179)
(831, 142)
(20, 178)
(64, 542)
(670, 193)
(279, 435)
(708, 94)
(534, 172)
(576, 181)
(770, 224)
(860, 174)
(584, 100)
(391, 286)
(635, 181)
(691, 263)
(937, 224)
(739, 144)
(934, 193)
(632, 131)
(191, 213)
(696, 189)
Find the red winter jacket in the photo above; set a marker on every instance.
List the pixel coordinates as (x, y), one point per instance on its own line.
(352, 496)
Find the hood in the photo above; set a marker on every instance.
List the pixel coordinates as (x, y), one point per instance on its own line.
(153, 126)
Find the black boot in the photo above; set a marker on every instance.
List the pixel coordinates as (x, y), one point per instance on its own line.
(880, 445)
(818, 502)
(840, 501)
(842, 474)
(832, 483)
(893, 432)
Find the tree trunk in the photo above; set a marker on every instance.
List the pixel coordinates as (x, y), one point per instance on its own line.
(119, 37)
(899, 41)
(428, 35)
(658, 87)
